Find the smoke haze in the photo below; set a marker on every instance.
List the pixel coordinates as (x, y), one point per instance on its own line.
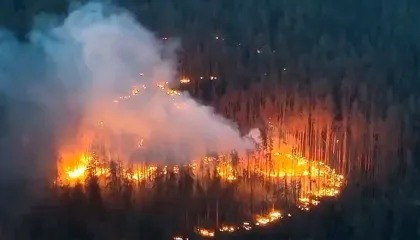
(65, 81)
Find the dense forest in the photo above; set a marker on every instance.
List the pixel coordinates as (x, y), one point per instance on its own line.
(317, 67)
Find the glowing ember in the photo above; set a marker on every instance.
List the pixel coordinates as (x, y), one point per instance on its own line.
(246, 226)
(135, 91)
(228, 228)
(184, 81)
(179, 238)
(205, 232)
(262, 220)
(274, 215)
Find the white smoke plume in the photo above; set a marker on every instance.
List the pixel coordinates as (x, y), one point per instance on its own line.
(74, 69)
(255, 135)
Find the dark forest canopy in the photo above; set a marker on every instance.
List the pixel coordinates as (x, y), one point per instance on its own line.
(377, 42)
(352, 50)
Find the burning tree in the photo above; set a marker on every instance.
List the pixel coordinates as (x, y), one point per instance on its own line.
(333, 106)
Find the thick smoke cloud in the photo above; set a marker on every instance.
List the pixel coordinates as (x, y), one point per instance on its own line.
(68, 74)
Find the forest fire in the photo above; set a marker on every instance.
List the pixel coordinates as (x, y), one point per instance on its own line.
(272, 216)
(253, 173)
(75, 166)
(260, 221)
(88, 165)
(315, 179)
(280, 167)
(203, 123)
(325, 181)
(80, 170)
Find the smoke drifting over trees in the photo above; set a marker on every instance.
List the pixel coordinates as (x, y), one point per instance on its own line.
(348, 69)
(74, 70)
(63, 80)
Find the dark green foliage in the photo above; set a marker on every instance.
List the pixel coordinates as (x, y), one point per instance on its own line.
(356, 51)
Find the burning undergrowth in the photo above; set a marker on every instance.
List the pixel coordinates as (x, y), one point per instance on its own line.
(119, 55)
(103, 86)
(75, 72)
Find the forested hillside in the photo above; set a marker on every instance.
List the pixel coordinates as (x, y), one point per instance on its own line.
(349, 69)
(242, 42)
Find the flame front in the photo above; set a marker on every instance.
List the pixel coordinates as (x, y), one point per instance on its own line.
(268, 165)
(79, 171)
